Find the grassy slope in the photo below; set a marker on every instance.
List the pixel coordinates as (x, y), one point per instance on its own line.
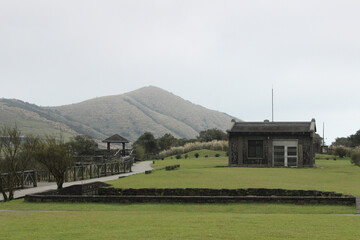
(340, 176)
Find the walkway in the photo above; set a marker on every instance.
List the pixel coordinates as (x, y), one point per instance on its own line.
(136, 168)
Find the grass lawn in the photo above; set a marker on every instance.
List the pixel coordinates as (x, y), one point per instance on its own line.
(23, 220)
(339, 176)
(176, 221)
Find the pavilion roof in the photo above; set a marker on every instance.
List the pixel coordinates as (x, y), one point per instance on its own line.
(116, 138)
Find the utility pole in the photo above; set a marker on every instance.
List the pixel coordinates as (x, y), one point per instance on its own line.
(323, 133)
(272, 104)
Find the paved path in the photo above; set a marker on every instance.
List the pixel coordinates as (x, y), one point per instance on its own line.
(136, 168)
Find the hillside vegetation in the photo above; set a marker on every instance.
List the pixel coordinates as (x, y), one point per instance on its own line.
(131, 114)
(148, 109)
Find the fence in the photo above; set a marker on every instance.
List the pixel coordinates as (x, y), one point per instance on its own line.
(75, 173)
(21, 179)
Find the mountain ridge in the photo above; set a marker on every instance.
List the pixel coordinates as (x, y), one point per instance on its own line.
(130, 114)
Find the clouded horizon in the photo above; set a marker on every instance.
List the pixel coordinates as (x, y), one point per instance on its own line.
(223, 55)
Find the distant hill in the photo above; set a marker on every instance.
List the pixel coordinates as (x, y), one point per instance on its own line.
(32, 119)
(131, 114)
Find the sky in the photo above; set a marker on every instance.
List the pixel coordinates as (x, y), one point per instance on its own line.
(224, 55)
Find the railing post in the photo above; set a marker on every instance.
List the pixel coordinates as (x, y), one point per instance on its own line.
(35, 178)
(90, 171)
(82, 172)
(74, 173)
(22, 179)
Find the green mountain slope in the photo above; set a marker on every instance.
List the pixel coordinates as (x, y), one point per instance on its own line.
(146, 109)
(32, 119)
(130, 114)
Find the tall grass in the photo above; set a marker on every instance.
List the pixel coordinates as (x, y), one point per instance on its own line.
(189, 147)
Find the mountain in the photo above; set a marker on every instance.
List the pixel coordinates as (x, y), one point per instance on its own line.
(131, 114)
(35, 120)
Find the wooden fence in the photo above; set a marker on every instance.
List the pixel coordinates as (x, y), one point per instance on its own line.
(22, 179)
(78, 172)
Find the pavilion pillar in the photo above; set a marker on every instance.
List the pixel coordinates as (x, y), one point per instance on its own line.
(123, 151)
(108, 146)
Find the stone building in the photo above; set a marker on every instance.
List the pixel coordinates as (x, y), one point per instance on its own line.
(272, 144)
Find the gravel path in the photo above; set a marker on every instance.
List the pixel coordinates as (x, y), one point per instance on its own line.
(136, 168)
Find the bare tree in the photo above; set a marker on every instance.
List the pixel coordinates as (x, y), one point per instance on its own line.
(10, 161)
(57, 156)
(27, 153)
(2, 184)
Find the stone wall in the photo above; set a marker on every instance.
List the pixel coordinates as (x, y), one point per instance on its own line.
(95, 192)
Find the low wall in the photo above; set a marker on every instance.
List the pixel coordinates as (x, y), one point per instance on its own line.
(213, 192)
(95, 192)
(192, 199)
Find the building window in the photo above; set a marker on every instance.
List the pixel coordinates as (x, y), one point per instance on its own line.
(255, 149)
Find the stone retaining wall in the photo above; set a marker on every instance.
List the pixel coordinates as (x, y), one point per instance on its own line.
(213, 192)
(192, 199)
(95, 192)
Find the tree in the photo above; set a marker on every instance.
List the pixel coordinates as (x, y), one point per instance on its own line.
(83, 145)
(355, 139)
(149, 143)
(341, 151)
(57, 156)
(342, 141)
(212, 134)
(355, 157)
(10, 146)
(166, 142)
(26, 155)
(350, 141)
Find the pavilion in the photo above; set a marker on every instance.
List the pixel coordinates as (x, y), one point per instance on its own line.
(116, 138)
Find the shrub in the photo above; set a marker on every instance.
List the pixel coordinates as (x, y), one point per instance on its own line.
(355, 158)
(206, 156)
(178, 156)
(217, 155)
(189, 147)
(186, 156)
(196, 155)
(341, 151)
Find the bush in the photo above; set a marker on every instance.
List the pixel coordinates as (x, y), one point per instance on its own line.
(189, 147)
(206, 156)
(341, 151)
(196, 155)
(355, 158)
(186, 156)
(178, 156)
(217, 155)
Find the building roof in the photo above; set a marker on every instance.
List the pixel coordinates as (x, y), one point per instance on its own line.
(273, 127)
(116, 138)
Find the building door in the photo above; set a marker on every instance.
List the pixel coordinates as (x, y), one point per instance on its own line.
(285, 153)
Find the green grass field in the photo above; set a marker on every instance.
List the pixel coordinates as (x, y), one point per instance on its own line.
(23, 220)
(339, 176)
(176, 221)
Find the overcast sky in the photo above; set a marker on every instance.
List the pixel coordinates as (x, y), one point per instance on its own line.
(223, 55)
